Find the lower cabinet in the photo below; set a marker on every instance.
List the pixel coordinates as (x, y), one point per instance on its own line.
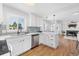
(26, 43)
(48, 40)
(19, 45)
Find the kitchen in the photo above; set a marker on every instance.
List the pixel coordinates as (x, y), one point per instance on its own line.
(22, 31)
(20, 38)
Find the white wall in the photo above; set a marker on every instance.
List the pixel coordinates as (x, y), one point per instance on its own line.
(1, 12)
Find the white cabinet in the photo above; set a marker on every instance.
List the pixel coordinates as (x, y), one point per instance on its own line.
(49, 39)
(19, 45)
(26, 43)
(14, 45)
(34, 20)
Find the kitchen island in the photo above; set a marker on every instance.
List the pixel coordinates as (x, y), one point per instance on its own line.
(50, 39)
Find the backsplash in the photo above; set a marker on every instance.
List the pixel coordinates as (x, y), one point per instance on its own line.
(33, 29)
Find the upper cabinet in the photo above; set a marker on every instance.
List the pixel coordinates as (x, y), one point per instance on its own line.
(34, 20)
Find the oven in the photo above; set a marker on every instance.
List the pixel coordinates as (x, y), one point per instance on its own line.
(4, 51)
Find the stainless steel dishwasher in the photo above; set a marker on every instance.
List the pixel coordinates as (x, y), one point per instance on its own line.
(35, 40)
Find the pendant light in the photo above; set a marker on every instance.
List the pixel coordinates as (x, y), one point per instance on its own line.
(54, 18)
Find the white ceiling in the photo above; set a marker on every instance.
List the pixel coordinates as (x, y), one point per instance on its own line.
(61, 10)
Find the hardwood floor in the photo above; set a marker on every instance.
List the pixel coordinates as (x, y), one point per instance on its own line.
(66, 48)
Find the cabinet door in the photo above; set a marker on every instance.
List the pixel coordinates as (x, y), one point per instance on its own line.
(41, 39)
(20, 48)
(14, 47)
(26, 43)
(50, 42)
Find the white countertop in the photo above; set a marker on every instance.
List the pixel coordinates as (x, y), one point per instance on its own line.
(52, 33)
(32, 33)
(4, 36)
(71, 29)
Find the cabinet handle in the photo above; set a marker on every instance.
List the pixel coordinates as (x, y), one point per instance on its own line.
(23, 40)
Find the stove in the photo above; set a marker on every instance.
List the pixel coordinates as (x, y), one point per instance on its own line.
(3, 47)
